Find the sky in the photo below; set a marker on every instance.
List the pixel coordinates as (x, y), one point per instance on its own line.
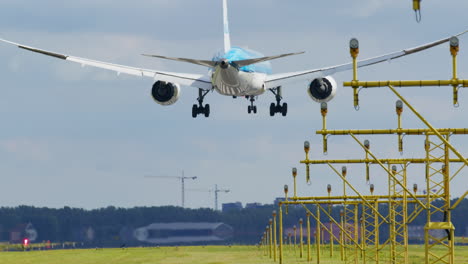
(85, 137)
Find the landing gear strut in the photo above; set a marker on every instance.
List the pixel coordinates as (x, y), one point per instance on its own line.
(252, 108)
(278, 108)
(200, 109)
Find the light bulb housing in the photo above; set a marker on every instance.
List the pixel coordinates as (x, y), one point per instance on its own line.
(354, 43)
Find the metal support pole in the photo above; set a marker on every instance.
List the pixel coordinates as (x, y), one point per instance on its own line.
(271, 237)
(376, 236)
(295, 238)
(454, 52)
(324, 111)
(331, 239)
(280, 234)
(269, 241)
(308, 237)
(342, 235)
(354, 50)
(317, 234)
(356, 233)
(300, 238)
(275, 245)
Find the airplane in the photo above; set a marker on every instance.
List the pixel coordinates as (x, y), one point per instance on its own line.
(236, 72)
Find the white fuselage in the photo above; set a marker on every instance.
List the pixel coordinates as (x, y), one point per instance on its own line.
(233, 82)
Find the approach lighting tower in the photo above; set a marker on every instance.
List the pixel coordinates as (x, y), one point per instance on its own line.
(182, 181)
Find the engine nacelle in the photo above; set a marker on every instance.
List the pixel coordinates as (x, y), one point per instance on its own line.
(322, 89)
(165, 93)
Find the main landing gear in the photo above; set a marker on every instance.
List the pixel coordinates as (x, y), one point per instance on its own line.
(278, 108)
(252, 108)
(200, 109)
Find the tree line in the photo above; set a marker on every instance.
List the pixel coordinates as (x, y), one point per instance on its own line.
(112, 226)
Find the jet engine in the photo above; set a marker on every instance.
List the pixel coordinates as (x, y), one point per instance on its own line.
(322, 89)
(165, 93)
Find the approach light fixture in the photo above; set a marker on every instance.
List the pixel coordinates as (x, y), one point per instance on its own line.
(367, 144)
(306, 146)
(399, 106)
(454, 42)
(354, 43)
(324, 106)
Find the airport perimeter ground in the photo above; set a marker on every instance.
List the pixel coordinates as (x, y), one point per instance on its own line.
(173, 255)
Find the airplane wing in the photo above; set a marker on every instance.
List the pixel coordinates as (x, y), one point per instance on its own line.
(275, 80)
(186, 79)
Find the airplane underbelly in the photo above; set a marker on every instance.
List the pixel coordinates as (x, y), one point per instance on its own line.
(231, 90)
(237, 84)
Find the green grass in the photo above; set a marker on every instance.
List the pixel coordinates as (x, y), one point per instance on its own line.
(192, 255)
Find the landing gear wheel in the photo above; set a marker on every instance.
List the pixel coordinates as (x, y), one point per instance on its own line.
(207, 110)
(200, 109)
(284, 109)
(251, 108)
(194, 111)
(278, 108)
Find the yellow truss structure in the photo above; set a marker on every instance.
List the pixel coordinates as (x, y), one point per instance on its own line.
(359, 238)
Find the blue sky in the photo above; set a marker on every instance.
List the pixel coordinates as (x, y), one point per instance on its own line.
(85, 137)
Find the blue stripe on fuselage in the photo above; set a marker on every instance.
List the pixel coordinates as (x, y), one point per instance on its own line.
(236, 53)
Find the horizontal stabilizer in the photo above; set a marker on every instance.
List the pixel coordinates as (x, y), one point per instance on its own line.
(242, 63)
(206, 63)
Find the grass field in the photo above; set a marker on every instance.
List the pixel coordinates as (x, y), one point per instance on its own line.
(176, 255)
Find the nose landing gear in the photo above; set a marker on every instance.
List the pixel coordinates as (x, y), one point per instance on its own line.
(252, 108)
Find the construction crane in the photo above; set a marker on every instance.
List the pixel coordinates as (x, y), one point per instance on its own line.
(182, 181)
(215, 190)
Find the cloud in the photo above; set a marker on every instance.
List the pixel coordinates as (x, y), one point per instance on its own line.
(100, 133)
(24, 148)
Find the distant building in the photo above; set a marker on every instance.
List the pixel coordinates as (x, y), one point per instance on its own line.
(176, 233)
(253, 205)
(278, 200)
(232, 206)
(282, 199)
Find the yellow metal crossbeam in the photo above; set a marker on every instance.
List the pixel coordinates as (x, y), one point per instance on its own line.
(409, 83)
(392, 161)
